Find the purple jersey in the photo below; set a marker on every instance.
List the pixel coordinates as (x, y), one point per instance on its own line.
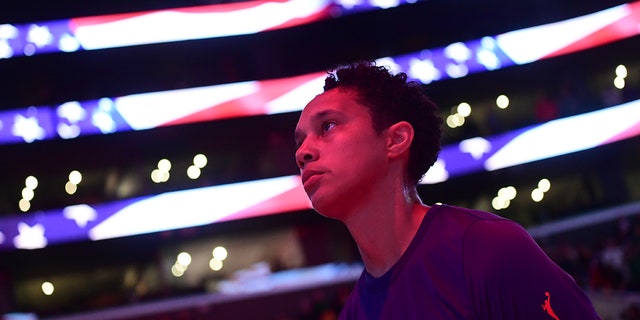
(469, 264)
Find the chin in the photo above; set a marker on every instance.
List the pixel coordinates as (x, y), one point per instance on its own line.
(330, 202)
(328, 210)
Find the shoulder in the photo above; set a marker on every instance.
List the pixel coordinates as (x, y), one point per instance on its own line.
(485, 240)
(460, 219)
(496, 245)
(479, 224)
(509, 276)
(465, 214)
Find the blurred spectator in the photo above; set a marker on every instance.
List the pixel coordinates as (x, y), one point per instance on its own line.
(632, 258)
(546, 109)
(612, 257)
(631, 313)
(611, 96)
(567, 101)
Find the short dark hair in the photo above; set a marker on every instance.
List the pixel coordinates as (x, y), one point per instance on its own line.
(391, 99)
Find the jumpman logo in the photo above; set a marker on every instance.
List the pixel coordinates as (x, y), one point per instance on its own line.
(547, 306)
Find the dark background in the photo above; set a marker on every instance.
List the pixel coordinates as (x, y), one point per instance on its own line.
(260, 147)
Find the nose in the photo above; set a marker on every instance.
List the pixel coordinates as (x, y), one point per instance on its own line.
(305, 154)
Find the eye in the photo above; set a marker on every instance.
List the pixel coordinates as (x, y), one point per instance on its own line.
(327, 125)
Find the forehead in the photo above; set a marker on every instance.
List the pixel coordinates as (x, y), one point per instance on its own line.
(333, 102)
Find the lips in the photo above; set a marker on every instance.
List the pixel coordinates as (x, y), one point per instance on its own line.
(309, 176)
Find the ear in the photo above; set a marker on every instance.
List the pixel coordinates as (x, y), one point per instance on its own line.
(399, 138)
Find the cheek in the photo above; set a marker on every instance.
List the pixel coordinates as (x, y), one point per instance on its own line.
(366, 155)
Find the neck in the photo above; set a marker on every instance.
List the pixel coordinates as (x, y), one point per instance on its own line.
(384, 227)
